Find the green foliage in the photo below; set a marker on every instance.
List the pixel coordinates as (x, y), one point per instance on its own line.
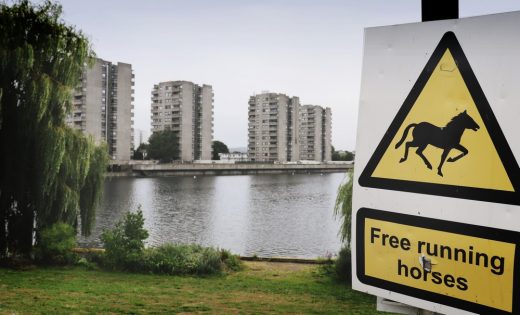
(218, 147)
(340, 268)
(87, 264)
(342, 155)
(141, 152)
(343, 208)
(178, 259)
(95, 258)
(343, 265)
(124, 244)
(92, 189)
(231, 262)
(164, 146)
(124, 250)
(48, 173)
(56, 243)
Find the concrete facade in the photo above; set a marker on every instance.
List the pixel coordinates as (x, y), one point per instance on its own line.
(273, 128)
(234, 157)
(103, 106)
(315, 133)
(187, 109)
(327, 135)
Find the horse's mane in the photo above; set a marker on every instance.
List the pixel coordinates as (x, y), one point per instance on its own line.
(454, 120)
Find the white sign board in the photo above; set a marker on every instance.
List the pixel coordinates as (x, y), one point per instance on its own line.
(436, 209)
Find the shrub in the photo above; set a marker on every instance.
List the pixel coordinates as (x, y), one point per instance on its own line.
(124, 250)
(55, 245)
(231, 262)
(87, 264)
(124, 245)
(343, 265)
(96, 258)
(178, 259)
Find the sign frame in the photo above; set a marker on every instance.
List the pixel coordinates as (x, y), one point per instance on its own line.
(394, 58)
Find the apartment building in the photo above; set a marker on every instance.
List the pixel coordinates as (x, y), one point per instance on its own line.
(273, 128)
(315, 133)
(187, 109)
(103, 106)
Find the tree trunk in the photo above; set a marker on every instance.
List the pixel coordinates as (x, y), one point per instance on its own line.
(3, 234)
(26, 231)
(20, 231)
(4, 210)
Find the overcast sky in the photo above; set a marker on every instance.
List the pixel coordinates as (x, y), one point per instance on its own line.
(310, 49)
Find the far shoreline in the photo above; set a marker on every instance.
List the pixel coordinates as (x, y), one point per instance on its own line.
(217, 168)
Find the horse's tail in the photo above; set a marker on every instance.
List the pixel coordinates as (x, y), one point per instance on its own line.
(405, 133)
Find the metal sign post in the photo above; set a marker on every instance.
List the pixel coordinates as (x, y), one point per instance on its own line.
(432, 10)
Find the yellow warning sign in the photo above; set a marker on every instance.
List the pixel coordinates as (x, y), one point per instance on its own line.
(444, 122)
(445, 136)
(408, 254)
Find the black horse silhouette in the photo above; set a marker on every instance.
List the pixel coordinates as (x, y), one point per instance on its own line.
(445, 138)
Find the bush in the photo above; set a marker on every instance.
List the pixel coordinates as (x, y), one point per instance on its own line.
(124, 250)
(343, 265)
(177, 259)
(55, 245)
(231, 262)
(124, 245)
(340, 268)
(87, 264)
(95, 258)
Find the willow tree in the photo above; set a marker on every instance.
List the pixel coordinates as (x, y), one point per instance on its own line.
(48, 172)
(343, 208)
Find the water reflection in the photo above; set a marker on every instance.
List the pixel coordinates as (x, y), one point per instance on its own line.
(266, 215)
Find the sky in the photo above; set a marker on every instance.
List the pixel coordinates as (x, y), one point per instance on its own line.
(306, 48)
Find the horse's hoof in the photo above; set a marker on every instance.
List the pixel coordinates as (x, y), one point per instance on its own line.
(402, 160)
(429, 167)
(450, 160)
(440, 173)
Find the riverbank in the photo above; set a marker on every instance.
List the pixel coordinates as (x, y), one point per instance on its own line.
(262, 288)
(149, 168)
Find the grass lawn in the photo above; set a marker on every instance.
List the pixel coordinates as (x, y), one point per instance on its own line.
(262, 288)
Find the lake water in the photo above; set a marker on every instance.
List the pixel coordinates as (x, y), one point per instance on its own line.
(263, 215)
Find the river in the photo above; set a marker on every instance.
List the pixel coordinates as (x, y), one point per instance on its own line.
(263, 215)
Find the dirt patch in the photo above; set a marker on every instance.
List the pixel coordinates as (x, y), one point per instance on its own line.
(277, 266)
